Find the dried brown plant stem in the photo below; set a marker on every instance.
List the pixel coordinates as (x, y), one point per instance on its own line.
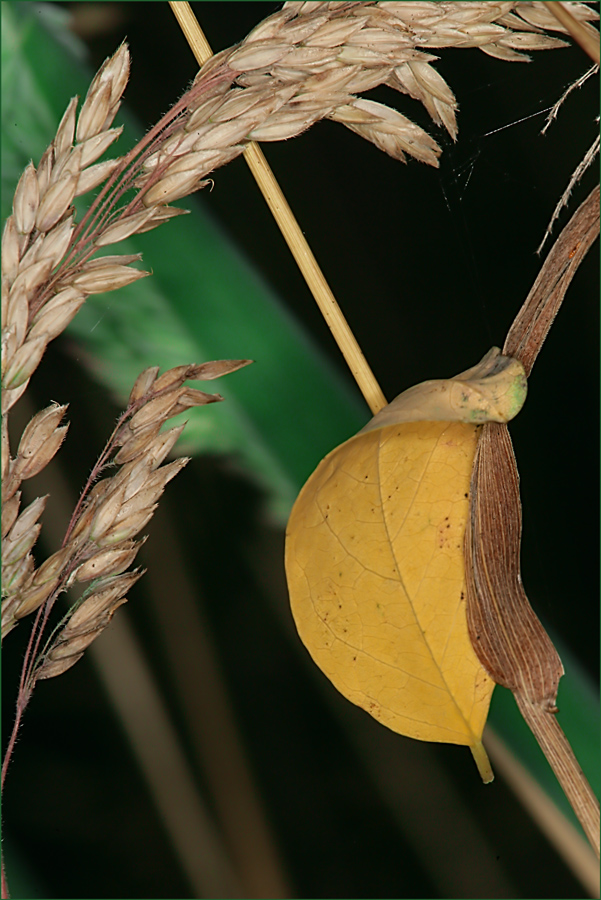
(560, 755)
(581, 35)
(292, 233)
(553, 823)
(507, 636)
(531, 325)
(509, 640)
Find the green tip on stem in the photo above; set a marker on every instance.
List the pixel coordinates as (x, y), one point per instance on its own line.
(482, 761)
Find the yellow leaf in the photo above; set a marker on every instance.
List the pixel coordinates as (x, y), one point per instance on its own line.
(374, 558)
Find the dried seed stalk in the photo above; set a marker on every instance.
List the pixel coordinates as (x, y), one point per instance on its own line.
(99, 544)
(531, 325)
(308, 61)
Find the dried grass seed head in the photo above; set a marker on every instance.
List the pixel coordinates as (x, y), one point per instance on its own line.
(16, 578)
(108, 562)
(15, 548)
(26, 201)
(33, 597)
(97, 279)
(302, 40)
(15, 526)
(10, 511)
(24, 363)
(104, 94)
(86, 623)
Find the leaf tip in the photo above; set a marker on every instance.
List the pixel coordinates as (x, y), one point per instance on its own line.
(482, 761)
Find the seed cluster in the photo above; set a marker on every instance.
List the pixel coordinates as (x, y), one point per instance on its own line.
(309, 60)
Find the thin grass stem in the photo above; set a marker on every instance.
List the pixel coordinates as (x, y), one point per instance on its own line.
(292, 233)
(560, 756)
(578, 31)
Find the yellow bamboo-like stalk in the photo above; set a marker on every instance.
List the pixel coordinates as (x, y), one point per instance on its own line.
(580, 34)
(292, 233)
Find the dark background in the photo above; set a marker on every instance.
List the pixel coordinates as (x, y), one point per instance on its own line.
(430, 268)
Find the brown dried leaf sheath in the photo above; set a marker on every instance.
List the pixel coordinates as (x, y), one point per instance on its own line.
(509, 640)
(506, 635)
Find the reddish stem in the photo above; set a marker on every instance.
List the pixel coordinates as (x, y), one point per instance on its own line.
(120, 181)
(43, 613)
(98, 467)
(5, 891)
